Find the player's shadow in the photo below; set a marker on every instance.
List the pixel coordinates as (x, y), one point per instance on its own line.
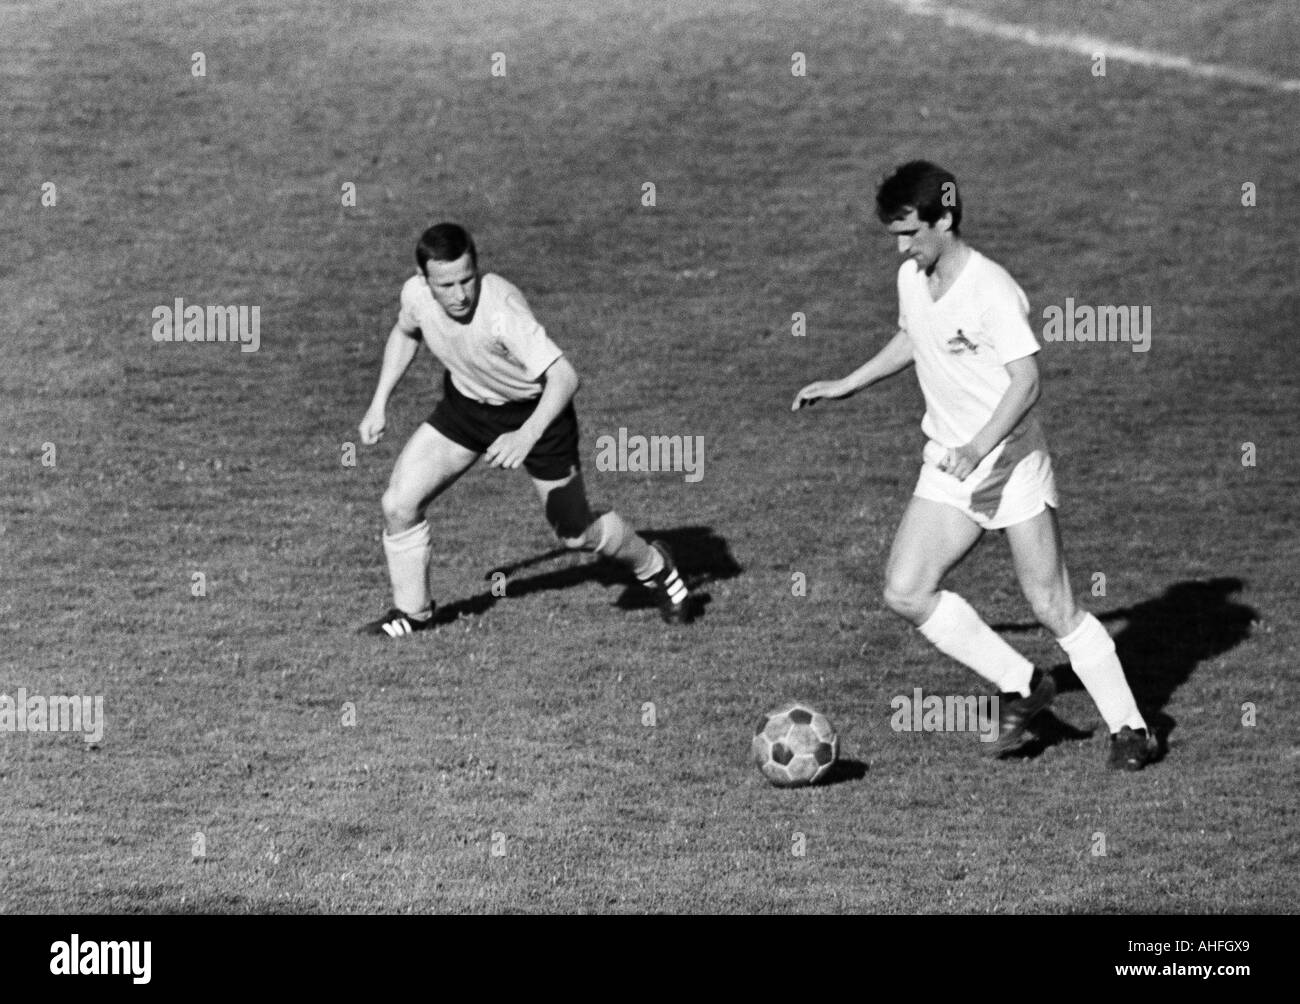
(1162, 642)
(701, 556)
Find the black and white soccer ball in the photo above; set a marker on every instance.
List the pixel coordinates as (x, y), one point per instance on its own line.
(795, 745)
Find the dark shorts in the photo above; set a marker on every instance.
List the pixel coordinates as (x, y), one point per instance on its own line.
(476, 426)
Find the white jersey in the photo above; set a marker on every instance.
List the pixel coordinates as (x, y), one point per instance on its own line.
(499, 356)
(961, 345)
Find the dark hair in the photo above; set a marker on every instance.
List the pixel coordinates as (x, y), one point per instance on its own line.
(924, 187)
(444, 242)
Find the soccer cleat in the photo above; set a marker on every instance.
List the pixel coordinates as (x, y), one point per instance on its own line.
(1016, 713)
(1131, 749)
(674, 598)
(396, 624)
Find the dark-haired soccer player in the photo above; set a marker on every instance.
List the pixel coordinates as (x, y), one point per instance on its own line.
(508, 396)
(964, 322)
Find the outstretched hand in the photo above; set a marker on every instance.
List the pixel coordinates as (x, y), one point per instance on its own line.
(814, 392)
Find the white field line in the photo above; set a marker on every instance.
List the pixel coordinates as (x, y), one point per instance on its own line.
(1088, 45)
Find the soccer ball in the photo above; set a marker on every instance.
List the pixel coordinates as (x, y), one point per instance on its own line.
(795, 746)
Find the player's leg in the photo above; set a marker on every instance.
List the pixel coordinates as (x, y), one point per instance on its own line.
(428, 465)
(570, 516)
(1039, 558)
(932, 538)
(556, 470)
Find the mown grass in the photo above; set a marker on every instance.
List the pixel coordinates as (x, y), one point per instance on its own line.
(519, 726)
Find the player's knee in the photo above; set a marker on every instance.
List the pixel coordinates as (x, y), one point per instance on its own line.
(399, 513)
(575, 533)
(571, 520)
(1053, 608)
(904, 600)
(575, 541)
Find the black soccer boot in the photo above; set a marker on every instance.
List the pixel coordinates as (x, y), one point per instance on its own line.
(1017, 711)
(1132, 749)
(396, 624)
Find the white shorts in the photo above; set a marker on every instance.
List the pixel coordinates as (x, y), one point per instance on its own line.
(1008, 487)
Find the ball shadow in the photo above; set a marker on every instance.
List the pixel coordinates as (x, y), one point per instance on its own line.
(844, 769)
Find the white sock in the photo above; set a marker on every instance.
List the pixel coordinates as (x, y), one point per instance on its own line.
(408, 568)
(1093, 659)
(956, 630)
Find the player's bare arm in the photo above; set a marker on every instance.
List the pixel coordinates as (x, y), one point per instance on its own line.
(893, 358)
(560, 384)
(1015, 404)
(398, 354)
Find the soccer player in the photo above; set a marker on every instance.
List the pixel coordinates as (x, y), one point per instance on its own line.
(507, 396)
(963, 321)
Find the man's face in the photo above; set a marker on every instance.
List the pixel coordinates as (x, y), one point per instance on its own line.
(454, 285)
(922, 242)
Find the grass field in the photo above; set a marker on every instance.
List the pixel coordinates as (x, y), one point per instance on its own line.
(502, 763)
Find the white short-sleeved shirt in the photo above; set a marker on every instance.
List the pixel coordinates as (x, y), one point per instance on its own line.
(497, 357)
(961, 345)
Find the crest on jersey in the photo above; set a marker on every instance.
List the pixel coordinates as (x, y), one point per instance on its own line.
(960, 343)
(499, 348)
(497, 345)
